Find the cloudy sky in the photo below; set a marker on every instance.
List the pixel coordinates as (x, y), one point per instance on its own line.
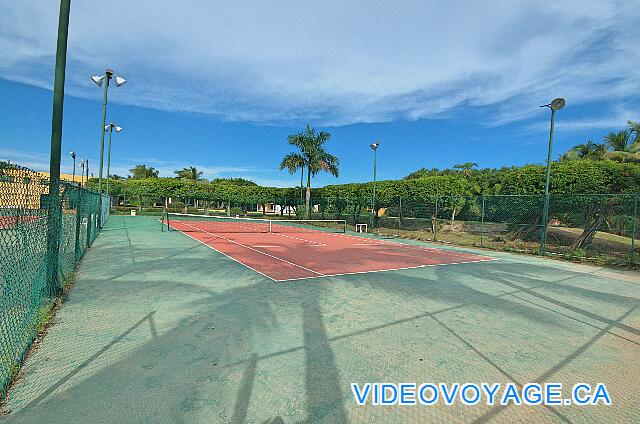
(220, 84)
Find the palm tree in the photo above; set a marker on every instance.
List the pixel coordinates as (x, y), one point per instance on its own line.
(588, 150)
(140, 172)
(190, 174)
(620, 141)
(293, 162)
(634, 129)
(312, 156)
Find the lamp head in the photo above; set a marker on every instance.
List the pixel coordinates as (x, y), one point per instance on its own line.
(73, 154)
(557, 104)
(374, 146)
(120, 81)
(98, 80)
(118, 129)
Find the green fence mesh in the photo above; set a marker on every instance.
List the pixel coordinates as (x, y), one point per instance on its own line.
(599, 228)
(24, 232)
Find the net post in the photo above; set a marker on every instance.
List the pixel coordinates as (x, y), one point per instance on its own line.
(270, 226)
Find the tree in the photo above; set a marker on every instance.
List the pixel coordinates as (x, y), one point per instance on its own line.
(189, 174)
(140, 172)
(233, 181)
(313, 155)
(620, 141)
(589, 150)
(293, 162)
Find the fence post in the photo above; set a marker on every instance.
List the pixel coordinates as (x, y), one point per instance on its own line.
(482, 224)
(78, 221)
(399, 215)
(545, 218)
(634, 231)
(435, 221)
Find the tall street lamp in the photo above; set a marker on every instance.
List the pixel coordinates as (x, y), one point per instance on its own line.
(100, 81)
(110, 128)
(73, 156)
(556, 104)
(374, 147)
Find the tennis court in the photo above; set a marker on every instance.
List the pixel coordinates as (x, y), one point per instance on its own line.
(160, 327)
(285, 250)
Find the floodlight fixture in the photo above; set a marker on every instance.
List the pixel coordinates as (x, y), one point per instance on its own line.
(375, 145)
(98, 80)
(120, 81)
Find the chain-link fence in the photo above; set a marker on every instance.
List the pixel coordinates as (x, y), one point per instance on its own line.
(27, 283)
(600, 228)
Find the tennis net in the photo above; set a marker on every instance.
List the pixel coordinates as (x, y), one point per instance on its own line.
(223, 224)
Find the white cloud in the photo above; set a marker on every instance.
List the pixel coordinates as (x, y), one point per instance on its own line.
(334, 62)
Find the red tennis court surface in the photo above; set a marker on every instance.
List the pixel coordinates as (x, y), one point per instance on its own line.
(312, 254)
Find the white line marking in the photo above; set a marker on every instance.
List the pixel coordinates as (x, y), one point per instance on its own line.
(230, 257)
(265, 246)
(255, 250)
(296, 238)
(386, 270)
(406, 245)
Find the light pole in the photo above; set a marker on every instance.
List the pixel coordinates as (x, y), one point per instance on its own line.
(86, 179)
(556, 104)
(54, 212)
(81, 165)
(110, 128)
(73, 178)
(374, 147)
(100, 80)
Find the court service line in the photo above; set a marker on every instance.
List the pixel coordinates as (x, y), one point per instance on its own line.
(386, 270)
(256, 250)
(230, 257)
(298, 238)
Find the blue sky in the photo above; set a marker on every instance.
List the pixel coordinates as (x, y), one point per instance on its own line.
(219, 85)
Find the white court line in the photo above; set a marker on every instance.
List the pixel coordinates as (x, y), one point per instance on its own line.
(386, 270)
(255, 250)
(297, 238)
(406, 245)
(265, 246)
(230, 257)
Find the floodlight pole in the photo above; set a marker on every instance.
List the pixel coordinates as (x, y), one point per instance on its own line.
(545, 209)
(73, 177)
(54, 215)
(374, 147)
(109, 158)
(107, 77)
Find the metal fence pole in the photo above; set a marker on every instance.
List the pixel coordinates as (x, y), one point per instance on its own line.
(54, 216)
(435, 221)
(78, 222)
(634, 231)
(482, 224)
(399, 215)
